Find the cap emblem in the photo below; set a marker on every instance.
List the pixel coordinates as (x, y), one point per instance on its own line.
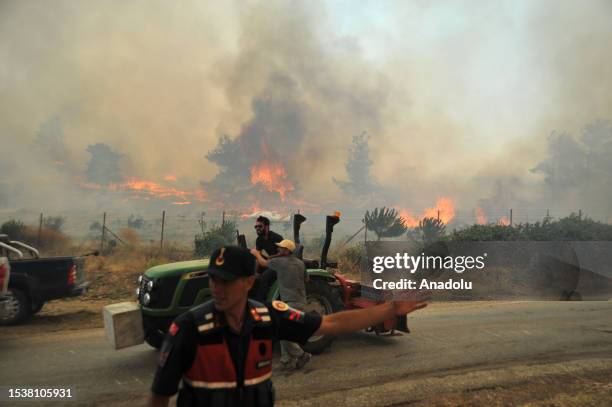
(220, 260)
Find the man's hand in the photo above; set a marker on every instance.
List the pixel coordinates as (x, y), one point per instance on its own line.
(354, 320)
(403, 307)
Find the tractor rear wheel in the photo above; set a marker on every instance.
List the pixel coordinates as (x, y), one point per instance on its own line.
(322, 299)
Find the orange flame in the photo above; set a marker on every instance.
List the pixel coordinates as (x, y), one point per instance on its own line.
(181, 203)
(444, 210)
(272, 176)
(200, 195)
(503, 221)
(481, 217)
(170, 178)
(149, 188)
(254, 210)
(409, 220)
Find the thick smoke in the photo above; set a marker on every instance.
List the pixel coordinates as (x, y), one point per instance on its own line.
(104, 166)
(460, 98)
(578, 170)
(361, 184)
(50, 142)
(274, 135)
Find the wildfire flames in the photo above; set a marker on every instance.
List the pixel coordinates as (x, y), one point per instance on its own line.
(503, 221)
(272, 176)
(255, 210)
(150, 189)
(481, 217)
(443, 210)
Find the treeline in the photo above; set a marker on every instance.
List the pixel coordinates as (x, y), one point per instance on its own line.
(387, 223)
(572, 227)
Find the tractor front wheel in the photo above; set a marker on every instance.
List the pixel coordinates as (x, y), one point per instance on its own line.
(322, 299)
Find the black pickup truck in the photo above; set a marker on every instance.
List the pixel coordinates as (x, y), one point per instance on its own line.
(34, 280)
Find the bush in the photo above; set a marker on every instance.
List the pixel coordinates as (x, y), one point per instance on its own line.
(54, 223)
(349, 259)
(129, 236)
(217, 236)
(572, 227)
(135, 222)
(15, 229)
(431, 230)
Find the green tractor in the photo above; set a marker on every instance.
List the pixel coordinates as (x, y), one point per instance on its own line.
(168, 290)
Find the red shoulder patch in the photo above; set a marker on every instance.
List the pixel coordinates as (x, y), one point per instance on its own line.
(295, 315)
(173, 329)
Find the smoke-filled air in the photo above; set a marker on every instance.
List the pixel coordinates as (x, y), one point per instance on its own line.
(454, 109)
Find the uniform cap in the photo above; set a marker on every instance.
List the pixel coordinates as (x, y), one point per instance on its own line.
(231, 262)
(287, 244)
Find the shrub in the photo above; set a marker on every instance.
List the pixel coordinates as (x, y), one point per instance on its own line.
(15, 229)
(54, 223)
(572, 227)
(217, 236)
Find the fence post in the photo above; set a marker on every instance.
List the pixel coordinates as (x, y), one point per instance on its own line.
(161, 240)
(40, 224)
(223, 219)
(580, 214)
(510, 216)
(438, 214)
(103, 233)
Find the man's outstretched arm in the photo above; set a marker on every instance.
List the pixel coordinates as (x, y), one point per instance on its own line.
(354, 320)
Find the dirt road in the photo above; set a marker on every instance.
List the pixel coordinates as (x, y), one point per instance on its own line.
(533, 353)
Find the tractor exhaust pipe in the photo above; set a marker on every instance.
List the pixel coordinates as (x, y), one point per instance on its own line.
(297, 223)
(241, 240)
(330, 222)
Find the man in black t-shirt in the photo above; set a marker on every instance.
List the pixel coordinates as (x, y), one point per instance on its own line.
(266, 239)
(265, 244)
(221, 351)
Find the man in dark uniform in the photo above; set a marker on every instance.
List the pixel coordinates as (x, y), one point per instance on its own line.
(222, 349)
(266, 239)
(265, 244)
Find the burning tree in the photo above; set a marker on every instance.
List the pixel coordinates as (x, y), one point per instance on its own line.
(385, 222)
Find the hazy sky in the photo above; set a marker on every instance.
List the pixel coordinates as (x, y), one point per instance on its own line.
(459, 98)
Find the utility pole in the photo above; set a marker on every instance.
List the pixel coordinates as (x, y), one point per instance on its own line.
(161, 240)
(103, 233)
(40, 224)
(223, 219)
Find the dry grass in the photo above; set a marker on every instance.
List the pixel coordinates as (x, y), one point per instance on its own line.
(114, 274)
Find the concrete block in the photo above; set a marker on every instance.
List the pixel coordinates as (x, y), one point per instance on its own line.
(123, 324)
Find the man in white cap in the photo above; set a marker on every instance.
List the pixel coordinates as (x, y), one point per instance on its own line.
(291, 275)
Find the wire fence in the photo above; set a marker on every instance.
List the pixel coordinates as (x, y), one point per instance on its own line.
(165, 227)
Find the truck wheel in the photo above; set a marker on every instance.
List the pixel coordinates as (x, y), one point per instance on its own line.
(322, 299)
(16, 307)
(155, 338)
(37, 306)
